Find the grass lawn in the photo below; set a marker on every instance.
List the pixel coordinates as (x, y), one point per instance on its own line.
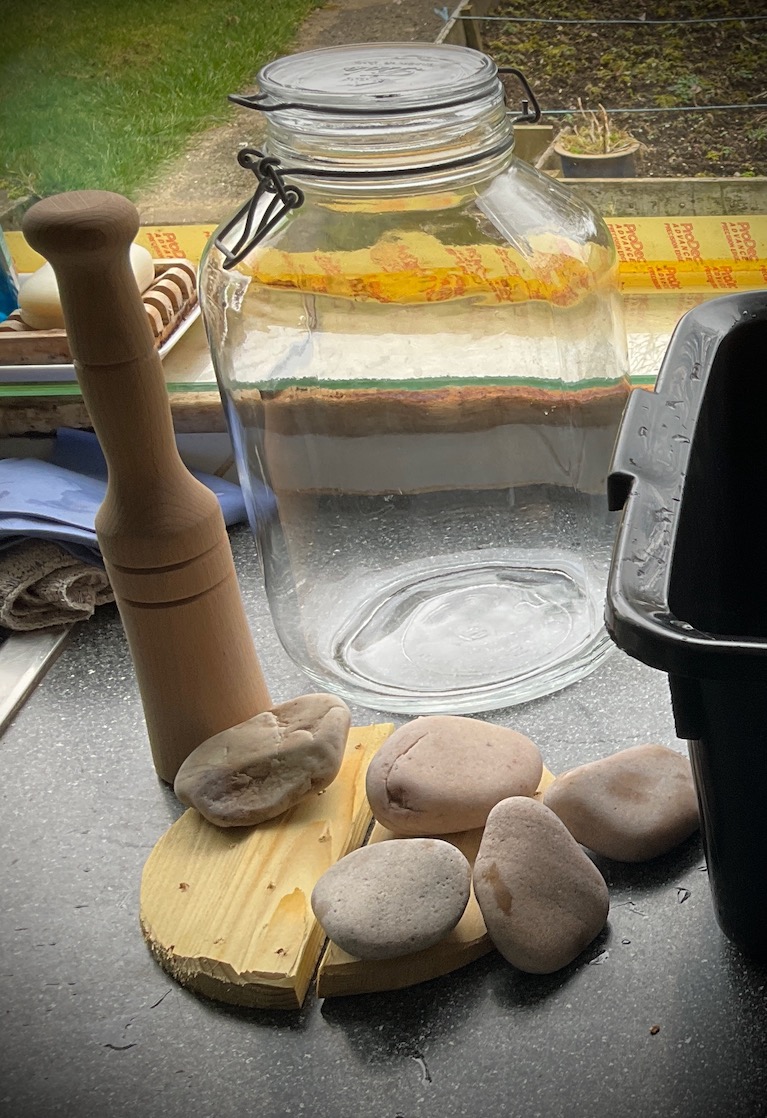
(98, 93)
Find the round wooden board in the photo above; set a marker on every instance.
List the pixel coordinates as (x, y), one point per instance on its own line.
(226, 911)
(341, 974)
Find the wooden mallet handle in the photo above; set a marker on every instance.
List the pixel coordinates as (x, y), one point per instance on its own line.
(161, 532)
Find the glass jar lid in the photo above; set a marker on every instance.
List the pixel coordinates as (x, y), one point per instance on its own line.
(370, 77)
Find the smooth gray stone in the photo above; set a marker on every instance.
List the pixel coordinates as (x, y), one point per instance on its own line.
(542, 898)
(259, 769)
(443, 773)
(636, 805)
(393, 897)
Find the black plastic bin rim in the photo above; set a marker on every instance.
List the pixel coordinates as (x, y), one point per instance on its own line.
(646, 481)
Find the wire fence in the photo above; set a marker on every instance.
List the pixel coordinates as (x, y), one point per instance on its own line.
(668, 109)
(603, 22)
(751, 105)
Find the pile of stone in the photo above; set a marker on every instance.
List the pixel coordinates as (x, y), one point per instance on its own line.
(542, 897)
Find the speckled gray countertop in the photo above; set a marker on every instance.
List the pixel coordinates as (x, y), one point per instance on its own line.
(92, 1026)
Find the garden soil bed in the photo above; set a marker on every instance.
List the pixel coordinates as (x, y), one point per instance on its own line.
(634, 66)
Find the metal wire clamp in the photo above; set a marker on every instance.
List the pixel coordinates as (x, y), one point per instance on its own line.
(287, 196)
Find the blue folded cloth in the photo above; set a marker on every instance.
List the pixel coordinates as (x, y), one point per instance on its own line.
(80, 451)
(58, 500)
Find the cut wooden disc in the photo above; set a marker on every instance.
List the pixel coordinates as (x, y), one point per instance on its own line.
(340, 973)
(227, 912)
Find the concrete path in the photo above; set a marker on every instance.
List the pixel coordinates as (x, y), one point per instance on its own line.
(206, 183)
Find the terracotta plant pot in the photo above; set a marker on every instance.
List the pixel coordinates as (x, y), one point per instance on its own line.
(610, 165)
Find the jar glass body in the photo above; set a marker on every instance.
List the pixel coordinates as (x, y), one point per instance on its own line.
(423, 381)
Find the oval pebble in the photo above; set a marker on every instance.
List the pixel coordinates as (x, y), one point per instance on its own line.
(443, 773)
(542, 898)
(394, 897)
(633, 806)
(258, 769)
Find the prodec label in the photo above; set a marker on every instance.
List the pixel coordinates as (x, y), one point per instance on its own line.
(656, 254)
(696, 254)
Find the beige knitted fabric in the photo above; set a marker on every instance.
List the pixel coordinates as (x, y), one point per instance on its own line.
(41, 584)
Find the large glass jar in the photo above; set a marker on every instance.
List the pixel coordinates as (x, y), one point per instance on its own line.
(423, 368)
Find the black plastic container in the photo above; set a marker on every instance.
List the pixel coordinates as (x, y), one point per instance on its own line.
(688, 583)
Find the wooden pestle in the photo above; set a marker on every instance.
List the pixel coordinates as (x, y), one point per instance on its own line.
(161, 532)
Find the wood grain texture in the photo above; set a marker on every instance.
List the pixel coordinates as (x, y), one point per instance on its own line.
(161, 532)
(359, 411)
(85, 236)
(340, 974)
(173, 291)
(227, 912)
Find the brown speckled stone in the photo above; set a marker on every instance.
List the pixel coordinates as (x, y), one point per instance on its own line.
(542, 898)
(636, 805)
(259, 769)
(443, 773)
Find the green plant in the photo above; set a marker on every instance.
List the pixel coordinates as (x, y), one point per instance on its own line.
(716, 155)
(99, 95)
(593, 133)
(689, 87)
(756, 132)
